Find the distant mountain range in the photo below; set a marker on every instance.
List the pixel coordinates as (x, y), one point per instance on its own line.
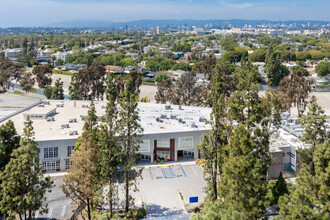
(175, 23)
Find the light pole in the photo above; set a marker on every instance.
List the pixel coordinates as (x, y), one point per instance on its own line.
(117, 184)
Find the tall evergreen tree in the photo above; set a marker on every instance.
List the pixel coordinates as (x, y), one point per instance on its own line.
(275, 71)
(9, 141)
(23, 187)
(82, 183)
(243, 181)
(213, 143)
(57, 91)
(309, 199)
(129, 132)
(109, 149)
(74, 88)
(279, 189)
(315, 132)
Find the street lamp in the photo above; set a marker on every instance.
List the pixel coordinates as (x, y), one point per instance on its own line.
(117, 184)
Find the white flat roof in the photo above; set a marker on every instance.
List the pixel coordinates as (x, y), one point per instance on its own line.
(148, 112)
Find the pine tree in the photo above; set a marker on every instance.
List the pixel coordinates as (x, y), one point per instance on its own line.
(82, 183)
(279, 189)
(109, 157)
(23, 187)
(129, 132)
(74, 88)
(309, 199)
(57, 91)
(315, 132)
(243, 181)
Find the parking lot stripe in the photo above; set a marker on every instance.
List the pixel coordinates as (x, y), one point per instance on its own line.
(194, 171)
(152, 173)
(63, 211)
(50, 212)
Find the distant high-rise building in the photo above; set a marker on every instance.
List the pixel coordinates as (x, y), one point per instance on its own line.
(157, 29)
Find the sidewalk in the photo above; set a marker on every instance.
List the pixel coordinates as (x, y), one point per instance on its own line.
(146, 166)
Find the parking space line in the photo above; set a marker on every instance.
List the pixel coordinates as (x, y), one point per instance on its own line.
(63, 211)
(50, 212)
(194, 170)
(152, 172)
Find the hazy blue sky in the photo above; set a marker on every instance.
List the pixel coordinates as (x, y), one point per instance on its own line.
(44, 12)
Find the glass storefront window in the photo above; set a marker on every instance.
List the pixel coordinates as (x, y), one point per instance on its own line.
(162, 154)
(185, 142)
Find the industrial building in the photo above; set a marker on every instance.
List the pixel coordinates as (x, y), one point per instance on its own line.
(169, 131)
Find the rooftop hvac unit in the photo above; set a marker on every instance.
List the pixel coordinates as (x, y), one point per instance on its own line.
(163, 116)
(202, 119)
(193, 125)
(60, 105)
(84, 106)
(72, 120)
(167, 107)
(103, 107)
(73, 132)
(180, 120)
(65, 126)
(41, 105)
(46, 102)
(50, 119)
(157, 119)
(173, 116)
(180, 107)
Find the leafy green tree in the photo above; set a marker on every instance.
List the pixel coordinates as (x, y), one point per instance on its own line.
(258, 55)
(301, 69)
(129, 132)
(219, 210)
(74, 88)
(23, 187)
(57, 91)
(43, 75)
(323, 69)
(9, 141)
(59, 62)
(27, 82)
(109, 157)
(296, 90)
(279, 189)
(81, 184)
(309, 199)
(162, 94)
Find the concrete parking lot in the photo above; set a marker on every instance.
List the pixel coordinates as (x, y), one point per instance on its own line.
(161, 195)
(59, 207)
